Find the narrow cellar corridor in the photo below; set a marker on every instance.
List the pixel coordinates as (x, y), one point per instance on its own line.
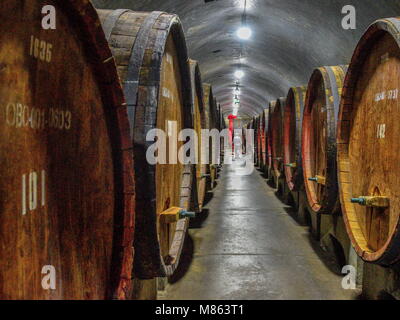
(249, 247)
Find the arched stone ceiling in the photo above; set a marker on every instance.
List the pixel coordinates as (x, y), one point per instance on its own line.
(290, 38)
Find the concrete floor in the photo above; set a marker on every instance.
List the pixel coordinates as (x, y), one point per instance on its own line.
(249, 247)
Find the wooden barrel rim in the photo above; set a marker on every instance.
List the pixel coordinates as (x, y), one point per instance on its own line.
(328, 77)
(389, 253)
(293, 116)
(142, 92)
(200, 186)
(97, 55)
(208, 103)
(208, 106)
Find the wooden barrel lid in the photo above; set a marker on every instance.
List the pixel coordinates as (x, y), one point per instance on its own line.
(292, 121)
(318, 142)
(210, 124)
(67, 188)
(151, 56)
(277, 137)
(199, 118)
(368, 143)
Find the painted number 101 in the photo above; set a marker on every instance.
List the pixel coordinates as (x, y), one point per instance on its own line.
(31, 183)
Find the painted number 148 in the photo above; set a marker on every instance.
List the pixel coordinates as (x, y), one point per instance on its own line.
(30, 184)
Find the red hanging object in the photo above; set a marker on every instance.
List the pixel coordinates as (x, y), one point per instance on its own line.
(231, 119)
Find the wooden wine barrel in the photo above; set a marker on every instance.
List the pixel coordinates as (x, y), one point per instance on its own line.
(199, 118)
(257, 139)
(209, 105)
(222, 120)
(250, 144)
(318, 142)
(271, 108)
(260, 140)
(277, 138)
(292, 121)
(264, 129)
(215, 118)
(151, 56)
(244, 137)
(368, 144)
(67, 188)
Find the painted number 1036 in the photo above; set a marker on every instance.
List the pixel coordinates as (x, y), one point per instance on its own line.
(33, 191)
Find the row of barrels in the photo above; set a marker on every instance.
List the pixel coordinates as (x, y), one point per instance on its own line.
(82, 212)
(337, 140)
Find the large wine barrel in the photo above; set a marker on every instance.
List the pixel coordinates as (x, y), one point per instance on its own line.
(318, 142)
(253, 127)
(215, 114)
(67, 185)
(199, 118)
(271, 108)
(244, 138)
(209, 106)
(277, 138)
(292, 137)
(260, 140)
(264, 129)
(151, 56)
(257, 139)
(368, 144)
(250, 148)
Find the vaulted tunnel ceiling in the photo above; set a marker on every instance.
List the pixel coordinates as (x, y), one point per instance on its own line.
(290, 38)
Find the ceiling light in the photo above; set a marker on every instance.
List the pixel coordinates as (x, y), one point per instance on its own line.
(239, 74)
(244, 33)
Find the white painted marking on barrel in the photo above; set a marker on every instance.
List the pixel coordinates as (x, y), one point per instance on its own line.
(166, 92)
(19, 115)
(43, 188)
(169, 58)
(393, 94)
(10, 121)
(381, 131)
(40, 49)
(31, 195)
(32, 191)
(23, 194)
(389, 95)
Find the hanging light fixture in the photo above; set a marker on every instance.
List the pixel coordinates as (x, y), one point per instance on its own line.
(239, 74)
(244, 33)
